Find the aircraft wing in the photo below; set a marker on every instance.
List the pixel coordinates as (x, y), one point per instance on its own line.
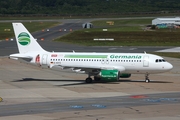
(90, 68)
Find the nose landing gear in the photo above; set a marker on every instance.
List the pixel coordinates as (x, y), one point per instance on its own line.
(147, 78)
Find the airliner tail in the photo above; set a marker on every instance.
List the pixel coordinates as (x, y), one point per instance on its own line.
(25, 41)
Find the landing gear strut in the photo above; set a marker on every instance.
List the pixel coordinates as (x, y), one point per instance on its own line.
(147, 78)
(97, 78)
(89, 79)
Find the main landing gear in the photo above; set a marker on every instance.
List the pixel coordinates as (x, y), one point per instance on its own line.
(88, 80)
(147, 78)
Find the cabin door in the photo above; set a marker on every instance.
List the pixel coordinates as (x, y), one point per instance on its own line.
(146, 61)
(44, 59)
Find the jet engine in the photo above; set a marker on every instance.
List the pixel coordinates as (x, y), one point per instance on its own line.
(109, 75)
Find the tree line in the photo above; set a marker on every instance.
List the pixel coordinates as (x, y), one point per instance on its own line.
(85, 7)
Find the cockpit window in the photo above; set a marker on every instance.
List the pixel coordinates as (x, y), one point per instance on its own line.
(163, 60)
(160, 60)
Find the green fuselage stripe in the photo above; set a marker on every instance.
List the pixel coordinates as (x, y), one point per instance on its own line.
(86, 56)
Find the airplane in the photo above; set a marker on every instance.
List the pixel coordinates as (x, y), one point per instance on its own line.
(108, 67)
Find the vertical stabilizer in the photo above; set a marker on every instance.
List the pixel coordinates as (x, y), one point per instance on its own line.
(25, 41)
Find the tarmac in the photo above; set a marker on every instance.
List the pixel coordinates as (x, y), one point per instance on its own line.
(176, 49)
(31, 92)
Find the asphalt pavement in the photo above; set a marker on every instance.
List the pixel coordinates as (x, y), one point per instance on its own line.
(31, 92)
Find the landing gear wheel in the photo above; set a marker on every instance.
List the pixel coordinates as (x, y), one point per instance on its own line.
(147, 80)
(89, 80)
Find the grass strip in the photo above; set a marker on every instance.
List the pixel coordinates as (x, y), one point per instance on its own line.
(123, 38)
(6, 29)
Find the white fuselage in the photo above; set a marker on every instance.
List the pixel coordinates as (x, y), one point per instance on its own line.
(124, 62)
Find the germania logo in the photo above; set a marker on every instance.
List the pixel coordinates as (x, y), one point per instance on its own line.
(24, 38)
(126, 56)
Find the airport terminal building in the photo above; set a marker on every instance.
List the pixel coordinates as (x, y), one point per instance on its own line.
(158, 21)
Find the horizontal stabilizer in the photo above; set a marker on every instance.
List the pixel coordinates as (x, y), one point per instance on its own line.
(21, 56)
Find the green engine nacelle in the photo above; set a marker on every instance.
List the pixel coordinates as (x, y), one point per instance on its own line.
(109, 75)
(125, 75)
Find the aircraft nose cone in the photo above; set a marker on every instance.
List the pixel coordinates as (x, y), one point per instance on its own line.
(169, 66)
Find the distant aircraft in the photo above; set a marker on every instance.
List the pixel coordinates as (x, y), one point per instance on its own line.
(107, 67)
